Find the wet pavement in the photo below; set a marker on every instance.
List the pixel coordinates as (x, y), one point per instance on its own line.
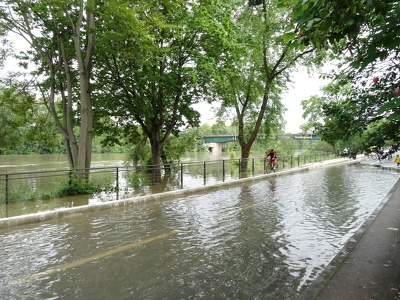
(368, 267)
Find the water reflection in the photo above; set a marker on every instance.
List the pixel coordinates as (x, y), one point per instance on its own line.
(265, 240)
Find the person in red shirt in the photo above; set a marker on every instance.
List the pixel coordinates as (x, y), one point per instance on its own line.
(272, 158)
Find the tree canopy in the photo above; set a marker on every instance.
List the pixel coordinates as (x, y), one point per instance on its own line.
(362, 38)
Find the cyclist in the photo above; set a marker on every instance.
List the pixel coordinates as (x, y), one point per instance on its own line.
(272, 158)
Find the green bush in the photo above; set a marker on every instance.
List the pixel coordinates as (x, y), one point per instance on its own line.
(77, 186)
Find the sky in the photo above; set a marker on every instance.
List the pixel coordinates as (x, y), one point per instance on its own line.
(303, 87)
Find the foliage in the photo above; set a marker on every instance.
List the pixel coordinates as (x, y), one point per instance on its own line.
(254, 70)
(6, 50)
(24, 123)
(188, 141)
(153, 65)
(16, 111)
(77, 186)
(153, 60)
(345, 119)
(333, 116)
(281, 143)
(381, 133)
(339, 23)
(61, 36)
(363, 36)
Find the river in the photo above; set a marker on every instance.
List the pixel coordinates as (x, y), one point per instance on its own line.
(45, 162)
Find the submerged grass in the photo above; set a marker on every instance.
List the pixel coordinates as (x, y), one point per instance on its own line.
(70, 187)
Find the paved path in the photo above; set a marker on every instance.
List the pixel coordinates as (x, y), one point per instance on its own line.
(384, 163)
(368, 267)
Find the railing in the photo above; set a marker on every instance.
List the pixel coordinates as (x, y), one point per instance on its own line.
(124, 182)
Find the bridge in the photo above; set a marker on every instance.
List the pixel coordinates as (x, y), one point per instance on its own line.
(220, 138)
(216, 142)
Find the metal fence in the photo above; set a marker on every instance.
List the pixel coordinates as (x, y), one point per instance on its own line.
(123, 182)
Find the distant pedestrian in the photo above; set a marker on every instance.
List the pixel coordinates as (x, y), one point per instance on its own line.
(380, 154)
(397, 160)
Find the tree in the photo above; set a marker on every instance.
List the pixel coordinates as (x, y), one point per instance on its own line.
(15, 114)
(364, 36)
(6, 50)
(334, 116)
(62, 38)
(255, 70)
(43, 132)
(156, 67)
(381, 133)
(23, 121)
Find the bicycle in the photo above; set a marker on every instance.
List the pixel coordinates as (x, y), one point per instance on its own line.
(373, 155)
(271, 167)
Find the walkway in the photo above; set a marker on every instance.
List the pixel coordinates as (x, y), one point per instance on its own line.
(368, 267)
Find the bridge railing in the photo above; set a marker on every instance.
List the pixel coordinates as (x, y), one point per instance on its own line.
(114, 183)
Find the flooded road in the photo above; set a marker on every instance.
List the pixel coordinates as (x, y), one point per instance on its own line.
(266, 240)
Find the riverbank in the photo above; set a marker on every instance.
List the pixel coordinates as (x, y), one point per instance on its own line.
(368, 265)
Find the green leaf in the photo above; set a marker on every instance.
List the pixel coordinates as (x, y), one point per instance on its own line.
(395, 116)
(289, 27)
(287, 37)
(395, 103)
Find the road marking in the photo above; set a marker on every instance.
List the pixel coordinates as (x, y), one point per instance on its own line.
(91, 258)
(391, 228)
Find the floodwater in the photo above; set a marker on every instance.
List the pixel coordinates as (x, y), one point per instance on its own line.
(263, 240)
(31, 190)
(46, 162)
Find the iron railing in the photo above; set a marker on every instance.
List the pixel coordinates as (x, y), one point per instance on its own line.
(130, 181)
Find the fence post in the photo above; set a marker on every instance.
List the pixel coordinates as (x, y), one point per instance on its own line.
(205, 179)
(298, 160)
(252, 166)
(265, 165)
(223, 170)
(6, 188)
(181, 176)
(117, 178)
(240, 165)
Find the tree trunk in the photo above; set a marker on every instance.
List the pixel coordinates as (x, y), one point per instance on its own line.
(156, 159)
(245, 153)
(86, 128)
(84, 59)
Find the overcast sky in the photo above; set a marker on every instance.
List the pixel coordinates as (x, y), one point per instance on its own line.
(303, 87)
